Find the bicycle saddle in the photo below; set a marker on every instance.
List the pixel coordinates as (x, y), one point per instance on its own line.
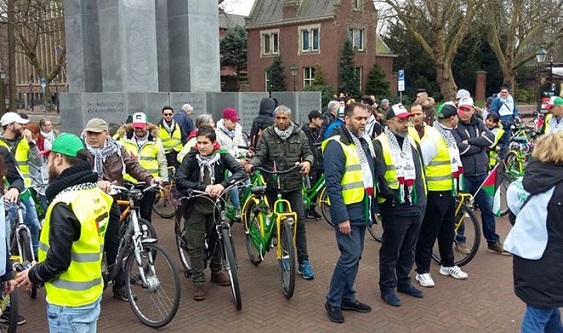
(261, 190)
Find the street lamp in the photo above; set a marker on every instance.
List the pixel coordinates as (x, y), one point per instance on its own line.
(541, 54)
(3, 75)
(551, 85)
(294, 70)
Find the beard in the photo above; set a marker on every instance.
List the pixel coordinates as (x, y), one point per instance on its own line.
(399, 133)
(53, 174)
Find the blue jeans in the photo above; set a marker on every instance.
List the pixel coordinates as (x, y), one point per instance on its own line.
(32, 222)
(82, 319)
(344, 275)
(546, 320)
(485, 203)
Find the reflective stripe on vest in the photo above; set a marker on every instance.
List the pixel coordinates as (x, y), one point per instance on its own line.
(353, 189)
(439, 170)
(170, 141)
(146, 155)
(81, 283)
(20, 156)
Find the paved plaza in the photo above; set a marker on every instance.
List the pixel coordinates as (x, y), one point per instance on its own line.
(483, 303)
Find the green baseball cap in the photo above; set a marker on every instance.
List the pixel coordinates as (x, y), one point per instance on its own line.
(554, 101)
(66, 144)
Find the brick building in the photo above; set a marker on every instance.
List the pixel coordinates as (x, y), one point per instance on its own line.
(312, 32)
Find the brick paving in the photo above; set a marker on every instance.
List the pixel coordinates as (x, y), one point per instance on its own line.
(483, 303)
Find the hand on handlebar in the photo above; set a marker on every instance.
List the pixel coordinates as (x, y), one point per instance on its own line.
(11, 195)
(305, 167)
(248, 167)
(105, 185)
(214, 190)
(157, 180)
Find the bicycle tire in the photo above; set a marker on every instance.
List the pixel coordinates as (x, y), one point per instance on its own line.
(230, 265)
(159, 205)
(287, 260)
(27, 255)
(11, 325)
(473, 238)
(252, 221)
(511, 161)
(376, 229)
(156, 302)
(182, 247)
(324, 203)
(503, 187)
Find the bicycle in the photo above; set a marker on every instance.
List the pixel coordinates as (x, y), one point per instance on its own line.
(262, 224)
(153, 299)
(21, 247)
(317, 191)
(244, 194)
(464, 218)
(221, 238)
(166, 201)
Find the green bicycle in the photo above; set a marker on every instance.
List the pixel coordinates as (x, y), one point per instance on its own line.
(267, 228)
(318, 192)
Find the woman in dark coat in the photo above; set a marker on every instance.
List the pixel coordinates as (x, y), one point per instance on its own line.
(536, 240)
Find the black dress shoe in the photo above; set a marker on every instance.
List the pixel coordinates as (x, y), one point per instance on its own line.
(313, 214)
(391, 299)
(355, 306)
(334, 314)
(411, 290)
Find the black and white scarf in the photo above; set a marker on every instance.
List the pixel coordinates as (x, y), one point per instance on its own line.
(169, 128)
(284, 134)
(366, 170)
(404, 165)
(100, 154)
(207, 162)
(455, 159)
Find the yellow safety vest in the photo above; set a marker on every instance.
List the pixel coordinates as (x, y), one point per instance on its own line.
(390, 173)
(146, 155)
(352, 182)
(20, 155)
(439, 170)
(171, 141)
(493, 156)
(81, 283)
(413, 133)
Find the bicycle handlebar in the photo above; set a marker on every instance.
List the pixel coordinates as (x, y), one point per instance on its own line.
(278, 172)
(192, 193)
(114, 189)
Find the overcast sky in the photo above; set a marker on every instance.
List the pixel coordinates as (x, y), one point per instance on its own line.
(239, 7)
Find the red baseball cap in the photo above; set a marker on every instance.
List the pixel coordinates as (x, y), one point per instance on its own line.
(231, 114)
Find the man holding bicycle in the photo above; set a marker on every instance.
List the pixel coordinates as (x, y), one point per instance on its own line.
(204, 169)
(443, 168)
(284, 144)
(350, 175)
(72, 240)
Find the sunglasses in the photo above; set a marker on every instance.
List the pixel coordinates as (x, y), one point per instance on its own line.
(167, 114)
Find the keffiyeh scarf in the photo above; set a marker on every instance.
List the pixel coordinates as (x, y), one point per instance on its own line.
(49, 138)
(404, 166)
(284, 134)
(230, 134)
(167, 127)
(207, 162)
(455, 160)
(100, 154)
(366, 171)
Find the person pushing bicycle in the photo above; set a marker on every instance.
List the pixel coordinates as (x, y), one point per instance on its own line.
(204, 169)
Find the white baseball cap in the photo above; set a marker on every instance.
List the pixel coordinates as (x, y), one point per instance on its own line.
(12, 117)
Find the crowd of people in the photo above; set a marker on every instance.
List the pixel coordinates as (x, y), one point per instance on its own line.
(405, 163)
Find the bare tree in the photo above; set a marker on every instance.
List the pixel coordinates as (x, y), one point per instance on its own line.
(516, 28)
(438, 26)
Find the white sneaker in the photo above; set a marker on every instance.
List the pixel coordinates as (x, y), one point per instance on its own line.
(454, 272)
(425, 280)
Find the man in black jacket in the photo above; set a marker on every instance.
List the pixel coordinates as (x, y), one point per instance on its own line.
(472, 138)
(264, 119)
(198, 213)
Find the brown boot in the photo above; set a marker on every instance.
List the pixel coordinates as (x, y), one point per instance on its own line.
(199, 292)
(220, 278)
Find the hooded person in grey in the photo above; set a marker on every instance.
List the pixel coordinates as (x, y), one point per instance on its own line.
(264, 119)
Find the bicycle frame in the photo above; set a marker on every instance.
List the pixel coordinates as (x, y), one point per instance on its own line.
(313, 192)
(462, 198)
(16, 237)
(256, 180)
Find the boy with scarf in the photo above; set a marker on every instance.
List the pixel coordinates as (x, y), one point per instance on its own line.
(402, 198)
(204, 169)
(443, 168)
(350, 174)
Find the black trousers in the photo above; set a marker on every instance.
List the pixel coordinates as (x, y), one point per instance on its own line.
(145, 205)
(438, 224)
(396, 256)
(111, 242)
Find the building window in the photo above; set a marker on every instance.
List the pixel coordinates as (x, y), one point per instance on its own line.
(356, 37)
(309, 38)
(270, 42)
(357, 4)
(308, 76)
(358, 76)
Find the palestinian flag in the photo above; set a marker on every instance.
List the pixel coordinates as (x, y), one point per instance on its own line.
(491, 187)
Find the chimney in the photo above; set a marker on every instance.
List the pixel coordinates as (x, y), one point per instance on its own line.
(290, 8)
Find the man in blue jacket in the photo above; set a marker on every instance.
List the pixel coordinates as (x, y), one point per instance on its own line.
(504, 106)
(350, 174)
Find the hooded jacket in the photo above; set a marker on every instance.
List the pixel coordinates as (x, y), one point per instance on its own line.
(473, 154)
(538, 282)
(264, 119)
(315, 139)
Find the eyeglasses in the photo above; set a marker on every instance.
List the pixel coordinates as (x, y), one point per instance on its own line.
(167, 114)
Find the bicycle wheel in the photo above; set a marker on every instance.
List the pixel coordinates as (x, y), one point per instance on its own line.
(503, 187)
(9, 308)
(163, 204)
(182, 246)
(466, 220)
(155, 301)
(147, 229)
(324, 203)
(287, 258)
(27, 255)
(230, 265)
(252, 225)
(376, 229)
(512, 164)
